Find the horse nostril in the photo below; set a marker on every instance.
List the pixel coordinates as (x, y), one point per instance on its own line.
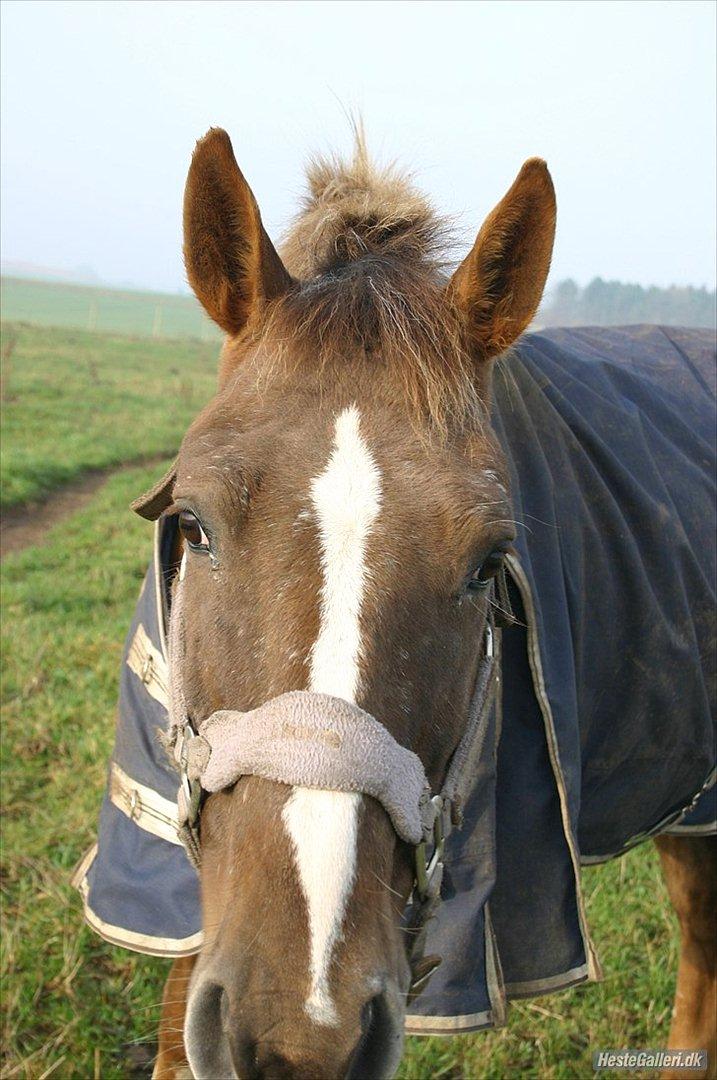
(378, 1051)
(204, 1031)
(368, 1015)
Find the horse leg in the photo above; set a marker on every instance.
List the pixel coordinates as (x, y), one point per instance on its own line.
(171, 1061)
(689, 867)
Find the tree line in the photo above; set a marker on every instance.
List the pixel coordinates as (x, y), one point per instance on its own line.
(614, 303)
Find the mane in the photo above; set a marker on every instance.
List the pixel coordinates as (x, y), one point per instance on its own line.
(369, 254)
(354, 208)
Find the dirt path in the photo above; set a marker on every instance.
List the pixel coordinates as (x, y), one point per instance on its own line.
(25, 525)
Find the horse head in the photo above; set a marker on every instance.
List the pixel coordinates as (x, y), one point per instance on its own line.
(344, 507)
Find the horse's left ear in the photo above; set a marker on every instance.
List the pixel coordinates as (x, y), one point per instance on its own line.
(498, 286)
(155, 501)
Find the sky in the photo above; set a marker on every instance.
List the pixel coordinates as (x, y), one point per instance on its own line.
(102, 103)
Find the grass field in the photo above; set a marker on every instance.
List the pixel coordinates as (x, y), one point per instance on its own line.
(73, 1005)
(74, 400)
(116, 311)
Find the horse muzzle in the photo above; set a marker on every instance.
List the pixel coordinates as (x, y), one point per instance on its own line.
(225, 1035)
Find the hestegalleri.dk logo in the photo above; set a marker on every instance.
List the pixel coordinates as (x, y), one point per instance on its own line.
(649, 1059)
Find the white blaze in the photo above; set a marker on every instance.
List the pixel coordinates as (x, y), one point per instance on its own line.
(323, 825)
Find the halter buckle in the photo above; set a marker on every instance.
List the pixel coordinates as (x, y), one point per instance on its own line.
(191, 789)
(429, 871)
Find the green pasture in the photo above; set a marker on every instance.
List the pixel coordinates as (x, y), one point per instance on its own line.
(74, 1006)
(72, 400)
(115, 311)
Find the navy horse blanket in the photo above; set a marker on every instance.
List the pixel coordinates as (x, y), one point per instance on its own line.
(602, 731)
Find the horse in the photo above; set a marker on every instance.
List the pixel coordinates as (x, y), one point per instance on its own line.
(343, 523)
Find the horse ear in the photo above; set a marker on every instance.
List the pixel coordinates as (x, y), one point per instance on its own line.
(155, 501)
(498, 286)
(231, 263)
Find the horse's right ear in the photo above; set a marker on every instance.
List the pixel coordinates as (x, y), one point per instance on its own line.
(155, 501)
(231, 263)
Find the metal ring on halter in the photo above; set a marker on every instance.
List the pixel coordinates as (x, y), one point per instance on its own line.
(426, 869)
(192, 789)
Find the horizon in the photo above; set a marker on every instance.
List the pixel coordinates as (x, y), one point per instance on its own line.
(97, 135)
(62, 276)
(86, 277)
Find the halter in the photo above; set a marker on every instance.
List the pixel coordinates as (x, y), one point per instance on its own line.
(314, 740)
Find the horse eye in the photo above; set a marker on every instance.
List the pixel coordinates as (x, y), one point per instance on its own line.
(191, 529)
(482, 577)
